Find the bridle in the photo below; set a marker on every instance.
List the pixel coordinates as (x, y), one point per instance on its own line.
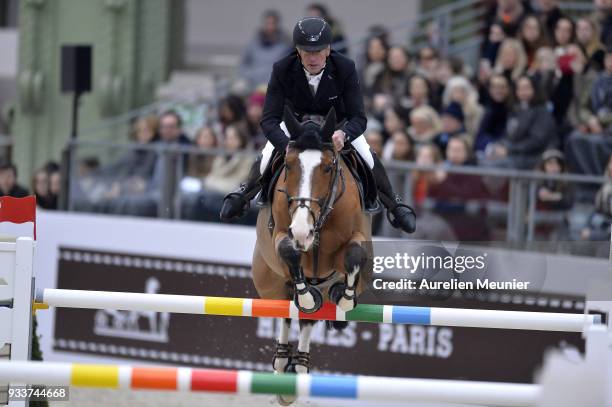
(336, 188)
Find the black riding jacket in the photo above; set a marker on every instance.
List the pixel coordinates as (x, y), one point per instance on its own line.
(339, 88)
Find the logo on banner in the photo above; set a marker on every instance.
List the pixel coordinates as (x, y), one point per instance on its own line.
(141, 325)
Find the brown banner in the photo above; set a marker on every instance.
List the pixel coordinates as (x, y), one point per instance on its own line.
(247, 343)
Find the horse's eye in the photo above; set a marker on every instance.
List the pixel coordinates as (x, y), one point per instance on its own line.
(328, 168)
(287, 167)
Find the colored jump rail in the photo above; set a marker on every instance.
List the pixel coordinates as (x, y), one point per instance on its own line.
(248, 383)
(395, 314)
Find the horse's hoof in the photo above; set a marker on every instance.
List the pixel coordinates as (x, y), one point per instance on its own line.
(285, 400)
(300, 363)
(337, 325)
(309, 305)
(282, 357)
(336, 294)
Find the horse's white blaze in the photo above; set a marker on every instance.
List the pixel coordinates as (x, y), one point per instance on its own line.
(301, 224)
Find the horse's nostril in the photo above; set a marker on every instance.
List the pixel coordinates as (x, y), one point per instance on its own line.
(311, 233)
(290, 234)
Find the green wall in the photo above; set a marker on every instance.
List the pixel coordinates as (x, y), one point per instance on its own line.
(132, 54)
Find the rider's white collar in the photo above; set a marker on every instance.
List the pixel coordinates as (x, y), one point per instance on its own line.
(314, 80)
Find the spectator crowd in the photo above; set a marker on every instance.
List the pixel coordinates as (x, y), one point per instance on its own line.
(539, 98)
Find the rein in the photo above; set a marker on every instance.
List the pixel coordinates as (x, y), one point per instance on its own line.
(326, 204)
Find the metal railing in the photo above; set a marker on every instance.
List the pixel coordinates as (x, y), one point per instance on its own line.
(517, 208)
(522, 185)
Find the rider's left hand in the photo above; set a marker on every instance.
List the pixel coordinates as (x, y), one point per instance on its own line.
(338, 139)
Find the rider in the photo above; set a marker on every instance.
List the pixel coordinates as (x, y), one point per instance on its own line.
(312, 80)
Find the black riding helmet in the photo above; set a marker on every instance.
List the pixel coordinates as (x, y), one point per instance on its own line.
(312, 34)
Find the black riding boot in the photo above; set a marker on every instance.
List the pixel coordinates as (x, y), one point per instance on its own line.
(235, 204)
(401, 216)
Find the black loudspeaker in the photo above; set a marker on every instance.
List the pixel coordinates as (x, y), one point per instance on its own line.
(76, 68)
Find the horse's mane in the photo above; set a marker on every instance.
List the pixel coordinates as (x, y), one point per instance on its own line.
(310, 139)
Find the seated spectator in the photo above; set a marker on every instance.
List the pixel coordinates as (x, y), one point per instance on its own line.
(549, 14)
(598, 224)
(511, 60)
(510, 14)
(423, 181)
(603, 17)
(375, 140)
(40, 188)
(454, 191)
(532, 37)
(136, 163)
(445, 69)
(254, 111)
(529, 130)
(338, 39)
(269, 45)
(458, 152)
(452, 126)
(227, 172)
(553, 195)
(601, 94)
(171, 132)
(144, 195)
(198, 168)
(427, 63)
(587, 37)
(171, 129)
(544, 70)
(394, 120)
(580, 115)
(394, 79)
(199, 165)
(483, 77)
(89, 190)
(8, 181)
(419, 92)
(491, 46)
(401, 147)
(459, 89)
(380, 103)
(375, 63)
(493, 124)
(563, 90)
(232, 110)
(424, 124)
(55, 180)
(565, 34)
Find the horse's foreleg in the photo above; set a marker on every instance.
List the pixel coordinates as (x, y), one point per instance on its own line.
(345, 294)
(307, 298)
(300, 361)
(283, 348)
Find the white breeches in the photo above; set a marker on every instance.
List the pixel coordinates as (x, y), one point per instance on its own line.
(360, 144)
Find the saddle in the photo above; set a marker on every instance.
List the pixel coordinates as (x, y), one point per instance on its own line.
(358, 168)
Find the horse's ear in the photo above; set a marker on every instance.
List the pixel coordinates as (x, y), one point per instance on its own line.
(329, 125)
(294, 128)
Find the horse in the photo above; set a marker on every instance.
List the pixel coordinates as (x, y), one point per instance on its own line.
(318, 238)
